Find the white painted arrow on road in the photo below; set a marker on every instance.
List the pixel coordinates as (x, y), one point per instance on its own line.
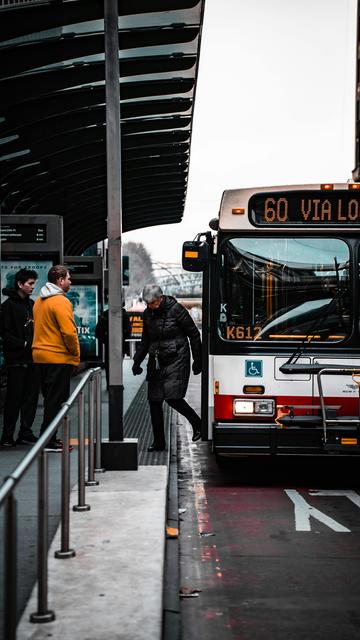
(303, 511)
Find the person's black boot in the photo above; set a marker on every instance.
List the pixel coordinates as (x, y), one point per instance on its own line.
(196, 431)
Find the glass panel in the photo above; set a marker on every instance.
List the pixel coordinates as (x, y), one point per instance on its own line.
(284, 289)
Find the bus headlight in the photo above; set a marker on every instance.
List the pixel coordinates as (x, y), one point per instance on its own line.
(263, 407)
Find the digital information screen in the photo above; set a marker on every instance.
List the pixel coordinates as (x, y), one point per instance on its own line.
(29, 233)
(80, 267)
(292, 208)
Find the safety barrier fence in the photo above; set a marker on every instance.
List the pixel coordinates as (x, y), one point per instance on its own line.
(92, 380)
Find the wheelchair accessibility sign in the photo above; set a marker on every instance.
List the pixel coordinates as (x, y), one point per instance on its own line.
(253, 368)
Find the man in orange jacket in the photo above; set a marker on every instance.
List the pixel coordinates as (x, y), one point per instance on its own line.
(55, 346)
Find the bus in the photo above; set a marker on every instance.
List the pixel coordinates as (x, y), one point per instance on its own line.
(281, 321)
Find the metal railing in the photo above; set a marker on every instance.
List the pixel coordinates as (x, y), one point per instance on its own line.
(345, 370)
(9, 502)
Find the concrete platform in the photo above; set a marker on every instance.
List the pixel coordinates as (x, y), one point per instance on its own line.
(133, 520)
(112, 588)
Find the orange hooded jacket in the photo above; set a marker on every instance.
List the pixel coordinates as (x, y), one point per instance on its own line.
(55, 334)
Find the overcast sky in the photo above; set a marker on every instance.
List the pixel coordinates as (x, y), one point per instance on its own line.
(275, 105)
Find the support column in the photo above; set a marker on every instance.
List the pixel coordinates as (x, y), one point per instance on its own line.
(117, 453)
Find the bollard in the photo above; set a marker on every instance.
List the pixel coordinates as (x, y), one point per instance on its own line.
(98, 467)
(43, 614)
(81, 506)
(91, 482)
(65, 552)
(132, 348)
(10, 557)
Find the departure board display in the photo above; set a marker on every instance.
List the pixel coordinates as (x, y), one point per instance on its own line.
(23, 233)
(308, 208)
(77, 268)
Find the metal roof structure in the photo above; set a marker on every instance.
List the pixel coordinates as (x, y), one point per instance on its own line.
(53, 116)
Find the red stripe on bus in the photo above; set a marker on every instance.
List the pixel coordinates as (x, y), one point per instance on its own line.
(223, 405)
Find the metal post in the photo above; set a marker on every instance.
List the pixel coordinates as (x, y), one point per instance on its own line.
(322, 404)
(65, 551)
(10, 562)
(81, 506)
(43, 614)
(132, 349)
(98, 467)
(356, 170)
(114, 217)
(205, 349)
(90, 482)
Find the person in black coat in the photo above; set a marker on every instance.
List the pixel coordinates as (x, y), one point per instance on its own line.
(23, 381)
(168, 328)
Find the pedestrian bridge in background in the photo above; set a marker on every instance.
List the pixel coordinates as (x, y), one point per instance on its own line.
(176, 282)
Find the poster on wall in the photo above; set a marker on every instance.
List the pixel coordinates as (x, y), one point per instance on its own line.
(10, 267)
(84, 299)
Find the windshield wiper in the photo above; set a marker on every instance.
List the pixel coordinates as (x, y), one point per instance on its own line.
(318, 322)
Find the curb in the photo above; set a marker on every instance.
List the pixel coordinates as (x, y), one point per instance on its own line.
(171, 629)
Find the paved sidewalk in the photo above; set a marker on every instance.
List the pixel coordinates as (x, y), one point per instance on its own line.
(112, 588)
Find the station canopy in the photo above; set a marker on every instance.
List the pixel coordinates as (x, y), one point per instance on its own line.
(53, 115)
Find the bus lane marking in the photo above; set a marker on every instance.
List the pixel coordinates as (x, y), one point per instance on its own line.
(303, 511)
(347, 493)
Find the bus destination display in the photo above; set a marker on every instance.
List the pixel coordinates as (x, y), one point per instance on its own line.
(326, 208)
(26, 233)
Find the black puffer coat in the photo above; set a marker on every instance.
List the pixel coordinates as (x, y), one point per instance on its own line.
(166, 334)
(16, 327)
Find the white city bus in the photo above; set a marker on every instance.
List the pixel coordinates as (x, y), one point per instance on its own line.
(282, 295)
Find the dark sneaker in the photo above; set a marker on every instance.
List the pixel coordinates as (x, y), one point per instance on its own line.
(61, 443)
(27, 438)
(196, 436)
(56, 445)
(8, 442)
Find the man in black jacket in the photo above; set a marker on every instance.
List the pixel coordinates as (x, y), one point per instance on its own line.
(23, 380)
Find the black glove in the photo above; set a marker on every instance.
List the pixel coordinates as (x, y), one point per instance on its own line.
(136, 369)
(196, 367)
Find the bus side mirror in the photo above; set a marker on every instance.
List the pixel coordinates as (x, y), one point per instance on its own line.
(195, 255)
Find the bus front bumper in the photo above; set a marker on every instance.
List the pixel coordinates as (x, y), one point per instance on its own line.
(239, 439)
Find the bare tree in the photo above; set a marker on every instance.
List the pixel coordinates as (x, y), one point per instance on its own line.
(140, 268)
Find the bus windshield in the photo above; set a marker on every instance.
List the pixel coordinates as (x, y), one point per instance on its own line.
(284, 289)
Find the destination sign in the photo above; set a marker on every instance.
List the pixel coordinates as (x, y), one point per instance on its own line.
(29, 233)
(326, 208)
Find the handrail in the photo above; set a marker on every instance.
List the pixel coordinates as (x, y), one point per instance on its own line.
(331, 370)
(12, 479)
(9, 502)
